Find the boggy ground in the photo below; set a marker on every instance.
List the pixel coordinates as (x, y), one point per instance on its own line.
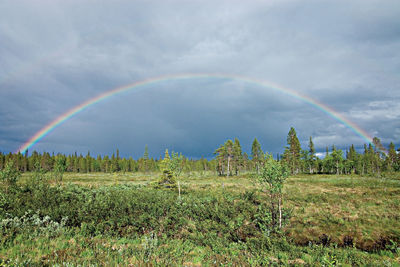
(114, 219)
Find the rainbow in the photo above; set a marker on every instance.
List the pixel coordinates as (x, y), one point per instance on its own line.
(136, 85)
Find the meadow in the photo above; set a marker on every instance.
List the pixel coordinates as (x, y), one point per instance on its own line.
(119, 219)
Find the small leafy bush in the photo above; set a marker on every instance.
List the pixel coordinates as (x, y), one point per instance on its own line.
(9, 175)
(30, 224)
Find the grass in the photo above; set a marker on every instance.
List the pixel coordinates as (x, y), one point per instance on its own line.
(363, 209)
(350, 220)
(76, 250)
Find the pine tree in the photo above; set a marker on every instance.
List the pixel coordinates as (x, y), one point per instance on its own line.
(229, 156)
(237, 155)
(257, 154)
(337, 158)
(220, 157)
(312, 158)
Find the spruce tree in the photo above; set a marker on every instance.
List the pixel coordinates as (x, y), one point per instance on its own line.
(312, 158)
(292, 151)
(98, 164)
(89, 162)
(167, 179)
(391, 158)
(146, 158)
(117, 162)
(351, 156)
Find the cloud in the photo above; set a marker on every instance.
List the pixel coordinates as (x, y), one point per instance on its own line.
(56, 54)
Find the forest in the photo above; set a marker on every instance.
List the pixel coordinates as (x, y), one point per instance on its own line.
(229, 160)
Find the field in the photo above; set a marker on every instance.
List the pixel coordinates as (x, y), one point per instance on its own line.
(118, 219)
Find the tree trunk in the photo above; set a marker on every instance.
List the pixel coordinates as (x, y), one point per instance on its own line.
(227, 171)
(337, 167)
(280, 212)
(273, 209)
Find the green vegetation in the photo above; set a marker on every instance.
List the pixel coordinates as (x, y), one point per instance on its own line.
(229, 160)
(334, 220)
(168, 171)
(232, 210)
(271, 179)
(292, 152)
(9, 175)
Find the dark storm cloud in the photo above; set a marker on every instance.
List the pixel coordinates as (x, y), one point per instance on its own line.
(56, 54)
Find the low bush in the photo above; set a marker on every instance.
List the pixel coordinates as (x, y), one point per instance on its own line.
(133, 211)
(139, 225)
(30, 224)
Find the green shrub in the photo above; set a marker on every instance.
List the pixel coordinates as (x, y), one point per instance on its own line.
(271, 177)
(9, 175)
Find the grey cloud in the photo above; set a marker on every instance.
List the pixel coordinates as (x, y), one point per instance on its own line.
(56, 54)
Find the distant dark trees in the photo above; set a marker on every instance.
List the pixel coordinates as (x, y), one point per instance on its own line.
(372, 161)
(229, 160)
(257, 155)
(87, 163)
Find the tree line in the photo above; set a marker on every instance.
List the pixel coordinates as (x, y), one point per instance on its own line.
(373, 160)
(86, 163)
(229, 160)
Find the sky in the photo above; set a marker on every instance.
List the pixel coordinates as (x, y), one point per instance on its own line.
(55, 55)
